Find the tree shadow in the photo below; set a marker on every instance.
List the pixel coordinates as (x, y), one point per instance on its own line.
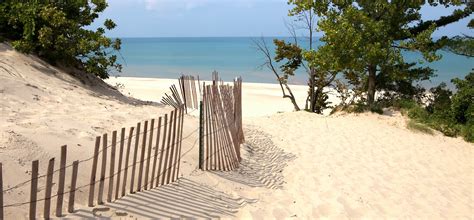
(263, 164)
(182, 199)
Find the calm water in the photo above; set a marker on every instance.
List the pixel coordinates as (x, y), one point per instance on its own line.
(170, 57)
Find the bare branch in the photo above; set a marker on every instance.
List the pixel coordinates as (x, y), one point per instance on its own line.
(261, 46)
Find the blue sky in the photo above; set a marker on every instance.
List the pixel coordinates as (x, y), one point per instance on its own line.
(218, 18)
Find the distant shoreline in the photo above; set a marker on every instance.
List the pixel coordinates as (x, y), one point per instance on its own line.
(168, 57)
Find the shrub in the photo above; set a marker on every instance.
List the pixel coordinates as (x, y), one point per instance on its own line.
(468, 132)
(55, 30)
(412, 125)
(448, 112)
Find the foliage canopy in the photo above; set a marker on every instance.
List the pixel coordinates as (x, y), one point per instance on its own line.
(56, 30)
(363, 40)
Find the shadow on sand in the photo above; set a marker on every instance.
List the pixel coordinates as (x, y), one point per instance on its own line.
(263, 164)
(182, 199)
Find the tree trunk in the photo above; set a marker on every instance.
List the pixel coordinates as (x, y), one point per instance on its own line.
(311, 90)
(291, 97)
(371, 85)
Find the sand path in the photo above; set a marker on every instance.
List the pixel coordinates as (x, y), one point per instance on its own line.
(368, 166)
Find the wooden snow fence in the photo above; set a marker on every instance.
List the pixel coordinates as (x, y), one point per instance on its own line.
(188, 94)
(221, 132)
(144, 157)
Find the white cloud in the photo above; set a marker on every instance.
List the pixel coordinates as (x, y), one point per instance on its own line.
(151, 4)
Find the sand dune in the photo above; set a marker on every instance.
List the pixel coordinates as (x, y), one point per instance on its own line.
(295, 164)
(43, 108)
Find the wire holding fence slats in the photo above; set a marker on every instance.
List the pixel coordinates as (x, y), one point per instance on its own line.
(144, 180)
(221, 125)
(109, 173)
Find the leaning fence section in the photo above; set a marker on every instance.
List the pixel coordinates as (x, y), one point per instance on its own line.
(154, 161)
(125, 162)
(221, 132)
(188, 95)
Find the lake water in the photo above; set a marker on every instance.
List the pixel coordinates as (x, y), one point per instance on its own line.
(235, 56)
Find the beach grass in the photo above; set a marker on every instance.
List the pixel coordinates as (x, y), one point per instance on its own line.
(418, 127)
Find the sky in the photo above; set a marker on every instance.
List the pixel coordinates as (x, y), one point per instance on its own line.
(219, 18)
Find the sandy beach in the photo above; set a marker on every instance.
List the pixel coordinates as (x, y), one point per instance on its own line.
(296, 165)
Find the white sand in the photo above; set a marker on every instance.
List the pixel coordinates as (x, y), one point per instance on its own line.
(295, 164)
(259, 99)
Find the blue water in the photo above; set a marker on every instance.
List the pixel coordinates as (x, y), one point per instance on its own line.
(170, 57)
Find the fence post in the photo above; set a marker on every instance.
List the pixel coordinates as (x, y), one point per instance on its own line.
(100, 200)
(1, 191)
(72, 190)
(112, 166)
(201, 136)
(34, 188)
(49, 186)
(62, 178)
(93, 172)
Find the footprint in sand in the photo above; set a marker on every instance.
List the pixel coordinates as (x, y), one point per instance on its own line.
(108, 213)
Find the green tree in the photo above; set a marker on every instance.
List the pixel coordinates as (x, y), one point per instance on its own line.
(462, 45)
(363, 39)
(290, 57)
(55, 30)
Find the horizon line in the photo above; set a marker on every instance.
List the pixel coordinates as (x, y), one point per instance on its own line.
(238, 36)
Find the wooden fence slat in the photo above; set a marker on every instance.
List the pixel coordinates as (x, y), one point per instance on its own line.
(228, 122)
(211, 128)
(185, 91)
(33, 189)
(72, 190)
(206, 127)
(220, 159)
(1, 190)
(201, 136)
(48, 189)
(227, 109)
(171, 101)
(193, 88)
(93, 172)
(119, 172)
(173, 146)
(127, 156)
(180, 141)
(142, 157)
(188, 92)
(135, 155)
(225, 126)
(155, 156)
(168, 144)
(177, 154)
(175, 95)
(100, 196)
(199, 86)
(159, 174)
(181, 86)
(209, 146)
(148, 158)
(225, 129)
(62, 179)
(112, 166)
(214, 129)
